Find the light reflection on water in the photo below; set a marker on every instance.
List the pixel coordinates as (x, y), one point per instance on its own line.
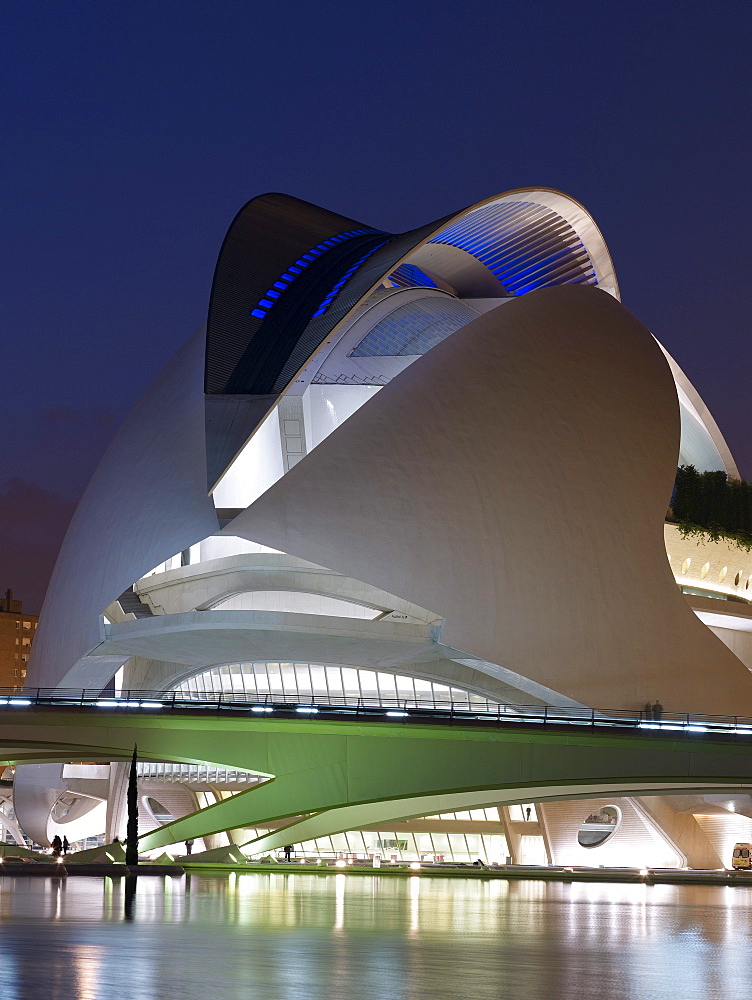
(289, 936)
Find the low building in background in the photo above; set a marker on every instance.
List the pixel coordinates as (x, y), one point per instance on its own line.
(17, 631)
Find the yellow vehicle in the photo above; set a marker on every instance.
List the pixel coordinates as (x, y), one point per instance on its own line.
(742, 856)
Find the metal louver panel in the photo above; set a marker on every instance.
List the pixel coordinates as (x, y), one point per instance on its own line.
(410, 276)
(258, 368)
(370, 271)
(526, 246)
(267, 235)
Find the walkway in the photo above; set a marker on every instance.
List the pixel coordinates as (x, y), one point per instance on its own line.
(342, 767)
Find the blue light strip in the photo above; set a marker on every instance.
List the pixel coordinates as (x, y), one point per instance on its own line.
(344, 279)
(410, 276)
(266, 302)
(525, 245)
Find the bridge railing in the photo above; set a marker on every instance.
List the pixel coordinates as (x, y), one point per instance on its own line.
(470, 711)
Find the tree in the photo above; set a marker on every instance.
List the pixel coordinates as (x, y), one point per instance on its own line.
(711, 500)
(684, 502)
(131, 846)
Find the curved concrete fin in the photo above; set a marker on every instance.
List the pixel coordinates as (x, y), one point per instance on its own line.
(515, 480)
(264, 239)
(146, 501)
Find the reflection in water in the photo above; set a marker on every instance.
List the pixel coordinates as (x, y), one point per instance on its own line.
(340, 884)
(290, 936)
(131, 881)
(415, 904)
(87, 962)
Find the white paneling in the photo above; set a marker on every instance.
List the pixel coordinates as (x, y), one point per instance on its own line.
(220, 546)
(636, 841)
(326, 407)
(256, 468)
(306, 604)
(723, 830)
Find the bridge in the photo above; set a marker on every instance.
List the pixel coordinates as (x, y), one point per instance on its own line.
(328, 768)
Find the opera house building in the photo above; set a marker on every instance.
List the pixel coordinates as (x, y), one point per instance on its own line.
(423, 469)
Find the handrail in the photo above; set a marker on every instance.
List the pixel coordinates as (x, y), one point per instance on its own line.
(474, 711)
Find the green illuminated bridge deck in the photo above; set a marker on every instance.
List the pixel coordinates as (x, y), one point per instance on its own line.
(340, 767)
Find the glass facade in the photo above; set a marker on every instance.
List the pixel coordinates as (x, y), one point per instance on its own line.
(401, 845)
(202, 773)
(414, 328)
(296, 602)
(304, 681)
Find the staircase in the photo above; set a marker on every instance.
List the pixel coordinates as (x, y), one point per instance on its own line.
(131, 604)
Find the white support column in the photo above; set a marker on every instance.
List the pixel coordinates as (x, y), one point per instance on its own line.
(291, 430)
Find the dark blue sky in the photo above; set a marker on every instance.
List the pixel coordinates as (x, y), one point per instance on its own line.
(134, 131)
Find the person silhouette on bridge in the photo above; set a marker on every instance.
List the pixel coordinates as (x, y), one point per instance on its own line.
(188, 846)
(648, 710)
(657, 710)
(66, 845)
(288, 851)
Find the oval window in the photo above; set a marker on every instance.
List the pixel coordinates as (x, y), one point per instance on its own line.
(160, 813)
(598, 826)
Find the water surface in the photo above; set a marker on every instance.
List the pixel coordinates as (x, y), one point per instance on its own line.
(339, 937)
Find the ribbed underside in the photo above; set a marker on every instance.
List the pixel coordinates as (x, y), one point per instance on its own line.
(526, 246)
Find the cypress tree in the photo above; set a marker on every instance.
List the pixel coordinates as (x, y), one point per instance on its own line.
(685, 492)
(745, 506)
(131, 846)
(717, 508)
(712, 500)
